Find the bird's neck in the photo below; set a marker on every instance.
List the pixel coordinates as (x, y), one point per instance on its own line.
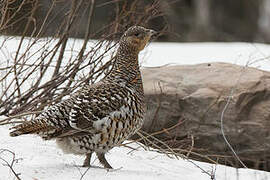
(126, 66)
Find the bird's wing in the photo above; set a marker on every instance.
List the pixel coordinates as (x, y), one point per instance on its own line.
(94, 103)
(77, 115)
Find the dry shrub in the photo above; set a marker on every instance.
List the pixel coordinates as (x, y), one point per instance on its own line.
(42, 71)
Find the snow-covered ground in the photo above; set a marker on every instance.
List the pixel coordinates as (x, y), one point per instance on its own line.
(157, 54)
(43, 160)
(40, 160)
(245, 54)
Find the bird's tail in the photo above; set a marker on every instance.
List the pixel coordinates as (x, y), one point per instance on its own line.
(31, 127)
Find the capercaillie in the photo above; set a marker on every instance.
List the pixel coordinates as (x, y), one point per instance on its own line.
(99, 116)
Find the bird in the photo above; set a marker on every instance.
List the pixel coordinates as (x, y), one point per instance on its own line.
(102, 115)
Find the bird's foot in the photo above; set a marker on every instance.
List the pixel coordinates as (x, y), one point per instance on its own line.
(103, 161)
(87, 160)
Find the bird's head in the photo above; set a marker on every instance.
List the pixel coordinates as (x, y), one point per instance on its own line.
(136, 37)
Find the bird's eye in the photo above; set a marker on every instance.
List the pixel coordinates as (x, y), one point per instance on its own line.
(136, 34)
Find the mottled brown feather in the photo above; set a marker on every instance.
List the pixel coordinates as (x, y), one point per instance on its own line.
(100, 116)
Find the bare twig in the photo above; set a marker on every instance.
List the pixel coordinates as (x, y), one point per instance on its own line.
(4, 121)
(222, 119)
(10, 164)
(170, 151)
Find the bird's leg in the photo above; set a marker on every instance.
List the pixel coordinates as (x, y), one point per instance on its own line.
(87, 160)
(103, 161)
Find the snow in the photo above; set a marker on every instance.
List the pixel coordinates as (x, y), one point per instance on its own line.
(40, 159)
(43, 160)
(245, 54)
(156, 54)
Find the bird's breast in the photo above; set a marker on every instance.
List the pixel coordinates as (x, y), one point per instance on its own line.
(121, 123)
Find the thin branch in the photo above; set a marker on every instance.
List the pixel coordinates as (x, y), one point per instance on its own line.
(8, 164)
(74, 9)
(86, 38)
(18, 116)
(222, 123)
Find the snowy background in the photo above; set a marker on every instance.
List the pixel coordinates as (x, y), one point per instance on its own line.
(39, 159)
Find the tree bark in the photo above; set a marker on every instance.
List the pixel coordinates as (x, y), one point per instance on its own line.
(264, 20)
(202, 14)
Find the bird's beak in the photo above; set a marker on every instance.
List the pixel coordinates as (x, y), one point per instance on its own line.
(152, 32)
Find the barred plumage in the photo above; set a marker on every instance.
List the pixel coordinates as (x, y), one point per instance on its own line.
(99, 116)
